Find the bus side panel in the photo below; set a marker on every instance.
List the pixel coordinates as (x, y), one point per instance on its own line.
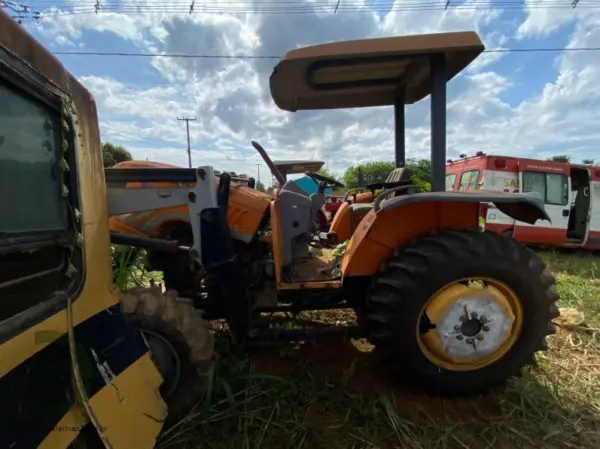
(38, 393)
(35, 353)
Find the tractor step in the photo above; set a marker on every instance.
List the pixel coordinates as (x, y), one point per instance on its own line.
(316, 334)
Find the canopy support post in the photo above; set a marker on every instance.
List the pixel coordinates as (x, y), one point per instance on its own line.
(400, 131)
(438, 122)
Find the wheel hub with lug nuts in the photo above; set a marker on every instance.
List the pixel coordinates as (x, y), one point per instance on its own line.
(470, 327)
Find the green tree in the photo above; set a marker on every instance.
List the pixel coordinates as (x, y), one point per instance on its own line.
(420, 171)
(113, 154)
(374, 172)
(590, 162)
(371, 172)
(560, 158)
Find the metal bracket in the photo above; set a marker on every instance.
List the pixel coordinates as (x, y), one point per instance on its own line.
(202, 196)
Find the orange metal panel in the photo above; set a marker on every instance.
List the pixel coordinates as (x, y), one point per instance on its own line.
(380, 233)
(276, 232)
(341, 223)
(115, 225)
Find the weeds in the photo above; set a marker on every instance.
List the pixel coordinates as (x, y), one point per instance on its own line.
(331, 396)
(129, 268)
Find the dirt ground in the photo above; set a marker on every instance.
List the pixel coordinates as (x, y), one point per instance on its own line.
(335, 395)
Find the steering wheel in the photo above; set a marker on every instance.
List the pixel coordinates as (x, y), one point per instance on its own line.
(274, 170)
(323, 181)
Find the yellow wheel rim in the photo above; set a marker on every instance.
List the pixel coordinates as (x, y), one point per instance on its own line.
(476, 323)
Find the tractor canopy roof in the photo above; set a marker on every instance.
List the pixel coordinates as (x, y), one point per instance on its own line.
(367, 72)
(294, 167)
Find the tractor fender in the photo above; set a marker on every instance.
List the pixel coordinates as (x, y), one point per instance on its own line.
(395, 222)
(526, 207)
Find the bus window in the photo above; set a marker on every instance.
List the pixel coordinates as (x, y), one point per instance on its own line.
(450, 180)
(469, 180)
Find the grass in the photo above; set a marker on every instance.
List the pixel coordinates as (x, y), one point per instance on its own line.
(331, 396)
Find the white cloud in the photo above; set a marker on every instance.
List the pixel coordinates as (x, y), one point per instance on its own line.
(232, 102)
(544, 21)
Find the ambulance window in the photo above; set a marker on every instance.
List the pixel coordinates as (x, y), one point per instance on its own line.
(535, 182)
(553, 187)
(450, 180)
(557, 189)
(468, 180)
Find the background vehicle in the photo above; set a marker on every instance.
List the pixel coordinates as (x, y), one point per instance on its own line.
(247, 216)
(571, 194)
(306, 183)
(333, 203)
(313, 184)
(454, 310)
(297, 167)
(67, 356)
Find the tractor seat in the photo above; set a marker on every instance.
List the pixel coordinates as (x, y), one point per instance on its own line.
(398, 177)
(361, 208)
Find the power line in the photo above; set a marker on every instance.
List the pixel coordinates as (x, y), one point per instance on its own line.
(299, 7)
(254, 5)
(246, 57)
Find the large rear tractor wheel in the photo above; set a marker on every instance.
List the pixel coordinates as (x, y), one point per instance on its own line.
(179, 340)
(459, 312)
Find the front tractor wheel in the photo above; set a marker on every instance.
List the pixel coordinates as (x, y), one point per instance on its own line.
(180, 343)
(459, 312)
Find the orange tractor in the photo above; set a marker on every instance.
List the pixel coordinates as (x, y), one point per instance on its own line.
(246, 214)
(452, 309)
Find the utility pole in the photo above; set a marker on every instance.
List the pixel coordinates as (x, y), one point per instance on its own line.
(187, 127)
(258, 173)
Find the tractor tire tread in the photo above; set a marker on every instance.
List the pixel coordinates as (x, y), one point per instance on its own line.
(407, 281)
(183, 326)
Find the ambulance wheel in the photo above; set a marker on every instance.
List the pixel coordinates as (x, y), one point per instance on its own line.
(459, 312)
(180, 343)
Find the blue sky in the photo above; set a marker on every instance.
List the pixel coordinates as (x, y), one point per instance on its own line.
(534, 103)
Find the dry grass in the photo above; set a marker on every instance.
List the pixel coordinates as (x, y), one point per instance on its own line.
(330, 396)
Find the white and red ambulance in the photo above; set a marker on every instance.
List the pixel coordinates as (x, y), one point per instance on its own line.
(571, 193)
